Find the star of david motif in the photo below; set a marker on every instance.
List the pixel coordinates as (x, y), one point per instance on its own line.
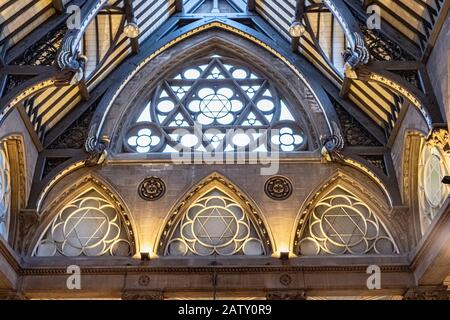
(215, 226)
(343, 226)
(215, 106)
(85, 230)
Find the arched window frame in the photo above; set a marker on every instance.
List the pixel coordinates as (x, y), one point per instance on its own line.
(294, 122)
(429, 208)
(214, 182)
(365, 193)
(75, 193)
(5, 191)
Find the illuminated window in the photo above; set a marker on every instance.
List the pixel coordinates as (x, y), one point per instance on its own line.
(5, 192)
(218, 95)
(432, 192)
(88, 226)
(342, 224)
(215, 225)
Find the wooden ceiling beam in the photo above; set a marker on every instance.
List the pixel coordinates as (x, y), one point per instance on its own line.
(387, 30)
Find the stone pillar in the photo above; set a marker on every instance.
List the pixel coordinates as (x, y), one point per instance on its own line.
(427, 293)
(142, 295)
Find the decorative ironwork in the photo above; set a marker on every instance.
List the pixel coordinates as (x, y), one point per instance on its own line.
(52, 163)
(353, 132)
(377, 161)
(278, 188)
(88, 226)
(152, 189)
(215, 225)
(43, 52)
(5, 192)
(341, 224)
(76, 135)
(211, 106)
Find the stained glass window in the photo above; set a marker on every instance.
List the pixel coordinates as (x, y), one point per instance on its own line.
(343, 224)
(216, 105)
(5, 192)
(88, 226)
(215, 225)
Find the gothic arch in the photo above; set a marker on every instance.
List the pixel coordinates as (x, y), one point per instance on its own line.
(87, 186)
(215, 182)
(108, 121)
(362, 194)
(13, 148)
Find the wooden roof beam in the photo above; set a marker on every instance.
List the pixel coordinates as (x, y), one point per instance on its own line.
(387, 30)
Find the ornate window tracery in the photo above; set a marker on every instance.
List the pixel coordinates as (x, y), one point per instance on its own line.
(341, 223)
(215, 224)
(88, 226)
(5, 192)
(215, 105)
(432, 192)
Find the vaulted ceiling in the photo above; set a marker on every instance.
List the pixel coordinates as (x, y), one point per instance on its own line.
(31, 32)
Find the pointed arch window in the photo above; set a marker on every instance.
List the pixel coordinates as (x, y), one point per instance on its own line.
(215, 224)
(5, 191)
(88, 226)
(341, 223)
(433, 166)
(215, 104)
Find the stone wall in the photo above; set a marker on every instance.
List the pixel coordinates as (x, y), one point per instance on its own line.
(439, 69)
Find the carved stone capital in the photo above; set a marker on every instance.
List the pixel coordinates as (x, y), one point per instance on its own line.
(142, 295)
(286, 295)
(427, 293)
(440, 137)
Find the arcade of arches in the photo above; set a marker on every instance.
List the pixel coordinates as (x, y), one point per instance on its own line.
(285, 147)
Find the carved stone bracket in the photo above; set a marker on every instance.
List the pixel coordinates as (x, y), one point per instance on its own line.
(142, 295)
(69, 57)
(427, 293)
(357, 52)
(440, 137)
(28, 222)
(286, 295)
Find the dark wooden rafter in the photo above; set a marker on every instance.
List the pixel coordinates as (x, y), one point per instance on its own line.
(387, 175)
(436, 31)
(179, 5)
(387, 30)
(130, 16)
(425, 98)
(251, 5)
(68, 64)
(356, 53)
(58, 5)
